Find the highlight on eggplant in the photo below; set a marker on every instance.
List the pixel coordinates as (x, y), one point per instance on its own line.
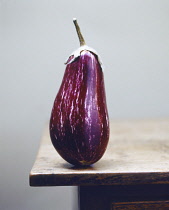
(79, 123)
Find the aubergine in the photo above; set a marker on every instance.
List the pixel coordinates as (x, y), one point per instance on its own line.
(79, 123)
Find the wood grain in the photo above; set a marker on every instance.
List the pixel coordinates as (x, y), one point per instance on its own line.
(137, 153)
(149, 205)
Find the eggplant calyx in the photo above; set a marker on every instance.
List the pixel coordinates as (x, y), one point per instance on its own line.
(83, 47)
(74, 55)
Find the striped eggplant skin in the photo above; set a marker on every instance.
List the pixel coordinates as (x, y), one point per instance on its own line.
(79, 124)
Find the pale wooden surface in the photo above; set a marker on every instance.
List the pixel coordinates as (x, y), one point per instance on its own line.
(138, 153)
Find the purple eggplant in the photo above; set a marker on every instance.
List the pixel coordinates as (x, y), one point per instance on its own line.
(79, 124)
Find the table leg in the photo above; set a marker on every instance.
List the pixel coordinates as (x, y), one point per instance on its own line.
(93, 198)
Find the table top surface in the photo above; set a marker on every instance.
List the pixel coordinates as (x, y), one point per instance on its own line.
(137, 153)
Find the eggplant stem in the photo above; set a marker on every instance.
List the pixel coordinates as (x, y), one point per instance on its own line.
(81, 39)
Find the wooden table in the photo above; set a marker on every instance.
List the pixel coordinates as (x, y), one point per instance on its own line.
(133, 173)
